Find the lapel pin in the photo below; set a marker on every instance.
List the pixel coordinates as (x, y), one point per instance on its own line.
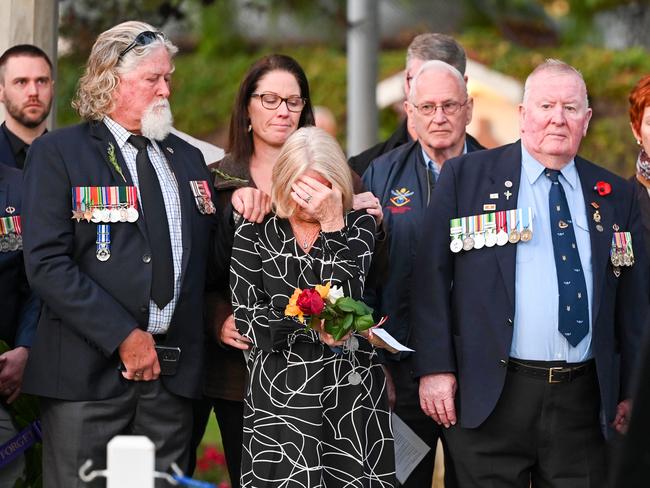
(615, 227)
(489, 207)
(171, 151)
(10, 209)
(595, 205)
(599, 228)
(508, 184)
(617, 271)
(597, 216)
(494, 196)
(507, 193)
(603, 188)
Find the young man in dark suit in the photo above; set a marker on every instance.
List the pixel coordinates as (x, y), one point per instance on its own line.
(26, 91)
(531, 343)
(118, 218)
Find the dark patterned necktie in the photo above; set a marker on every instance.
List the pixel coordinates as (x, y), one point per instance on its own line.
(432, 176)
(153, 206)
(573, 302)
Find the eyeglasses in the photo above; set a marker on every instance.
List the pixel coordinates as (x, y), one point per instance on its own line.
(271, 101)
(448, 108)
(142, 39)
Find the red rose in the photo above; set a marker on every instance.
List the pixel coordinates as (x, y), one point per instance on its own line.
(310, 302)
(603, 188)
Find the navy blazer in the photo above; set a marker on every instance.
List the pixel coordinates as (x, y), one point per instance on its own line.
(6, 152)
(401, 170)
(90, 306)
(464, 303)
(18, 305)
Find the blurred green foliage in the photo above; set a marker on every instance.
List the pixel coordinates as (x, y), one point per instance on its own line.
(205, 83)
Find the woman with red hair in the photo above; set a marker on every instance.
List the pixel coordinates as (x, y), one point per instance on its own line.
(640, 123)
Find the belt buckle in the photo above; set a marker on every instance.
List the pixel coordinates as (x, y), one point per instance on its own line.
(550, 374)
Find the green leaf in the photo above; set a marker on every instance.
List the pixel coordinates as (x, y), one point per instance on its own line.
(364, 322)
(346, 325)
(347, 304)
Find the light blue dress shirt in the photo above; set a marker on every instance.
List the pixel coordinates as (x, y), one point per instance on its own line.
(535, 335)
(437, 167)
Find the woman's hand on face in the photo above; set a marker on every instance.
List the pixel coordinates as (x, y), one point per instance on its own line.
(251, 203)
(370, 203)
(320, 202)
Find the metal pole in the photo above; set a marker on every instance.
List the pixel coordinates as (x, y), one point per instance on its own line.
(362, 46)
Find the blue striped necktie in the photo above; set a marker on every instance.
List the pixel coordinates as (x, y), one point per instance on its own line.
(573, 317)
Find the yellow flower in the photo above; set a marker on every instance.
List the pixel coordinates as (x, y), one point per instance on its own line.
(292, 309)
(323, 291)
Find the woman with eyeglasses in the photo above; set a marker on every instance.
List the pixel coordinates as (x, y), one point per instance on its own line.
(272, 103)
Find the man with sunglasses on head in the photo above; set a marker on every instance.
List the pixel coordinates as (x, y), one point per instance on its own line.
(118, 217)
(403, 179)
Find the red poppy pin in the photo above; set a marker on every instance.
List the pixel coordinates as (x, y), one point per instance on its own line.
(603, 188)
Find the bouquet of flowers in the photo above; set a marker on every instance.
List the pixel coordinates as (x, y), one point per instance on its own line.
(340, 314)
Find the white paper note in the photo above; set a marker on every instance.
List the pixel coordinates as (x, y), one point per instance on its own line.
(409, 449)
(390, 340)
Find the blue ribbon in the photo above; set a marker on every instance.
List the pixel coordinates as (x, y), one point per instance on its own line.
(184, 480)
(19, 443)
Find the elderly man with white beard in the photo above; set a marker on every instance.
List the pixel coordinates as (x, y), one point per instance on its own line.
(118, 216)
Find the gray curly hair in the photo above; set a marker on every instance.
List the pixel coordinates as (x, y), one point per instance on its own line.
(94, 97)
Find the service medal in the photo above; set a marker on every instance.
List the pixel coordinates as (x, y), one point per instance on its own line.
(131, 214)
(103, 242)
(455, 232)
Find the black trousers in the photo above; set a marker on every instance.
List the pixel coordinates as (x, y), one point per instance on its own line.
(230, 417)
(539, 434)
(407, 407)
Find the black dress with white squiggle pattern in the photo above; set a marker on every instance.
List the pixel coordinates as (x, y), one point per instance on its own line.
(305, 424)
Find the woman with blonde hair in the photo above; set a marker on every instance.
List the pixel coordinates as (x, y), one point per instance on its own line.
(316, 412)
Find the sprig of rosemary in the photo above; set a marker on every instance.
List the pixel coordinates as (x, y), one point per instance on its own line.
(113, 159)
(228, 177)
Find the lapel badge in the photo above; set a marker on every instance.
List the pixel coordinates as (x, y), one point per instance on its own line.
(171, 151)
(494, 196)
(595, 205)
(617, 271)
(507, 193)
(597, 216)
(562, 224)
(508, 184)
(489, 207)
(615, 227)
(10, 210)
(599, 228)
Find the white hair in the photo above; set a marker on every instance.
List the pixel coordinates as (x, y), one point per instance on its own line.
(557, 67)
(439, 66)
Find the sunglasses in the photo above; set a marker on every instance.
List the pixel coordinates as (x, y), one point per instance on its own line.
(142, 39)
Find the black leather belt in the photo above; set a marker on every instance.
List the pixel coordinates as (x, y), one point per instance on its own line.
(551, 374)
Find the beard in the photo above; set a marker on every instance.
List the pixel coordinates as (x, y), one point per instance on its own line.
(24, 118)
(157, 120)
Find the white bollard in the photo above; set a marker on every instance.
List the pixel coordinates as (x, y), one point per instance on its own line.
(130, 462)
